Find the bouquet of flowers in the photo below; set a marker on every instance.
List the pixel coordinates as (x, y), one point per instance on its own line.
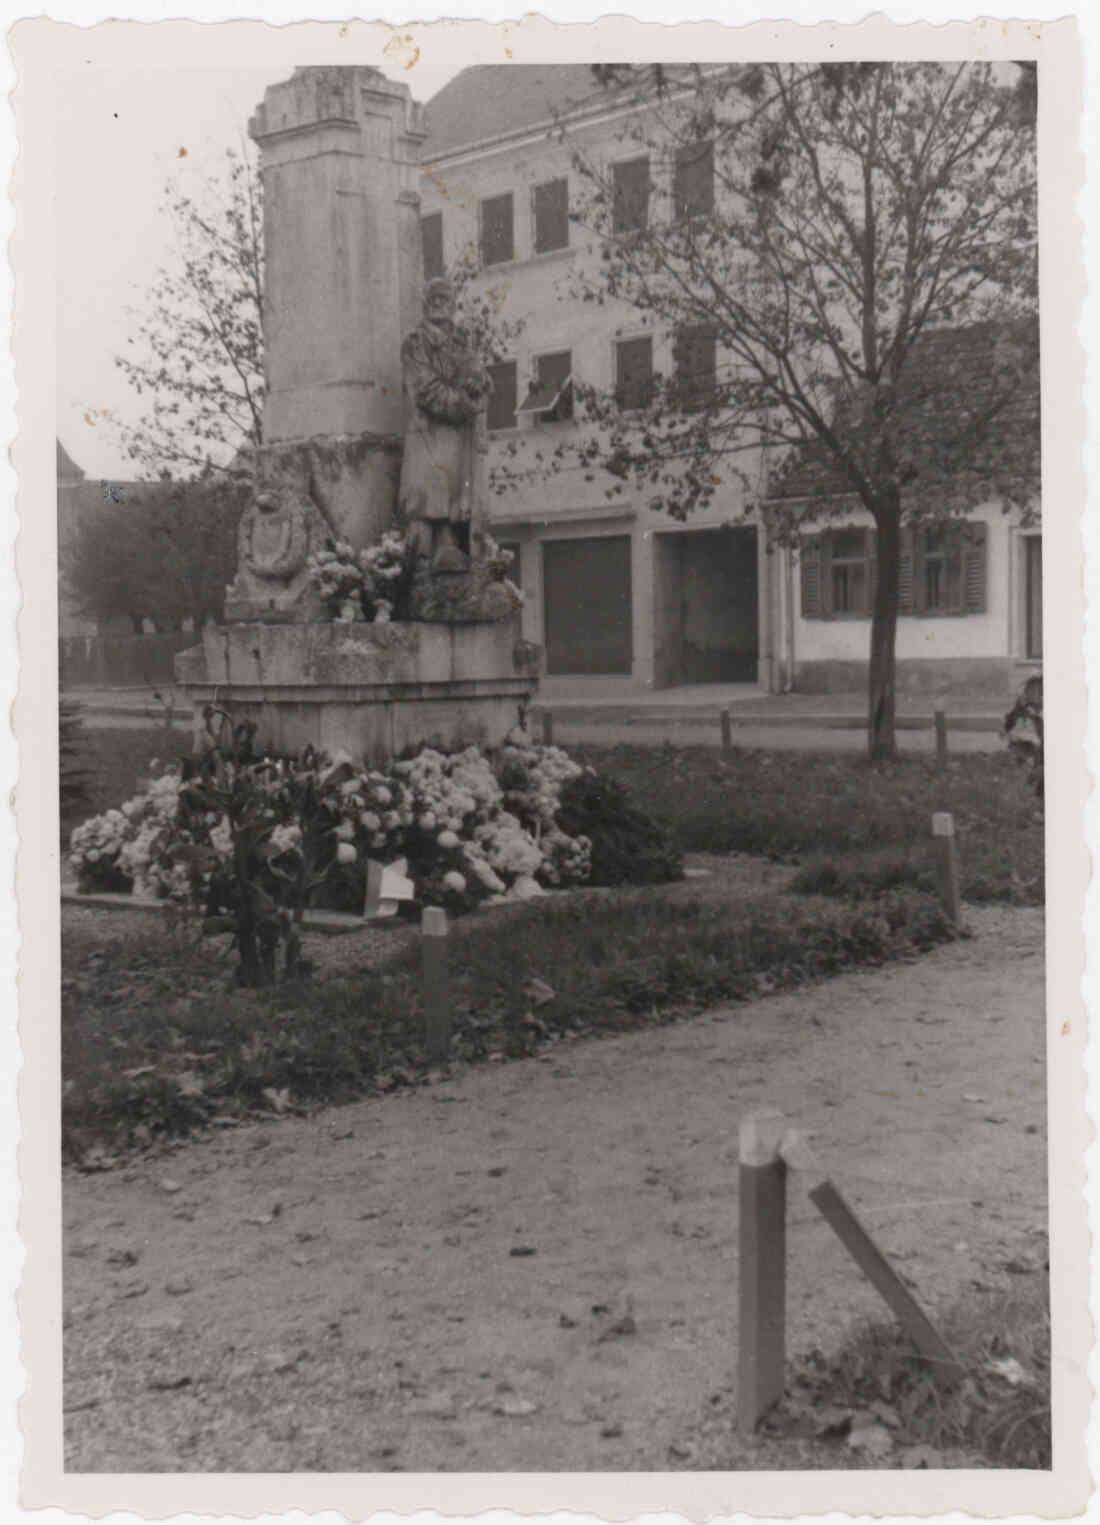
(384, 567)
(336, 574)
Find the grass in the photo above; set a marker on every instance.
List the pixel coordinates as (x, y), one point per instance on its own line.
(853, 826)
(155, 1041)
(997, 1415)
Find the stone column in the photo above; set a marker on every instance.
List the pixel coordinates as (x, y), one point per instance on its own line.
(340, 157)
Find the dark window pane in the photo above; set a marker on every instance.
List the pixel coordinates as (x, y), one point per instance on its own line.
(634, 372)
(695, 366)
(496, 230)
(693, 180)
(431, 239)
(551, 204)
(630, 195)
(501, 413)
(848, 545)
(849, 588)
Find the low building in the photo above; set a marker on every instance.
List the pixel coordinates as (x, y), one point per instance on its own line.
(970, 614)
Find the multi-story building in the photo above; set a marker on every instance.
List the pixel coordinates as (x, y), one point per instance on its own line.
(622, 598)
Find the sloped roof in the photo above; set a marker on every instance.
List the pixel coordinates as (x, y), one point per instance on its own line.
(492, 100)
(952, 427)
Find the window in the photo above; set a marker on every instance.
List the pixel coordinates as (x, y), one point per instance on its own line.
(431, 243)
(634, 372)
(550, 203)
(695, 366)
(630, 195)
(550, 397)
(941, 570)
(501, 413)
(693, 180)
(497, 242)
(838, 573)
(851, 593)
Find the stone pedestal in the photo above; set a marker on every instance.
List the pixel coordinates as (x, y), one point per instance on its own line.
(340, 160)
(371, 690)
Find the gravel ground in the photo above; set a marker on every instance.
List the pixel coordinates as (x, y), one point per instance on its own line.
(532, 1266)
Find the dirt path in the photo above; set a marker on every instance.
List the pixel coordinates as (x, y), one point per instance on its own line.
(439, 1280)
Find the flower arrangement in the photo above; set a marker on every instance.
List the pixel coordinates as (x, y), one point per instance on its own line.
(474, 827)
(336, 574)
(372, 582)
(385, 567)
(499, 562)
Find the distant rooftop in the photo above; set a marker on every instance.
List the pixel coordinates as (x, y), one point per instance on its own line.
(493, 100)
(950, 383)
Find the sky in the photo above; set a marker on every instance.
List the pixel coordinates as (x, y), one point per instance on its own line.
(120, 132)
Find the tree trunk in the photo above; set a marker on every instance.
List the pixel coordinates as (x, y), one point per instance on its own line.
(881, 739)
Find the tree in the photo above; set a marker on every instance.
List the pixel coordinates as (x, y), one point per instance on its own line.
(165, 553)
(821, 223)
(196, 354)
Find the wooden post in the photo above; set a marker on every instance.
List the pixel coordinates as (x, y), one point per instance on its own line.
(547, 728)
(886, 1281)
(943, 832)
(762, 1291)
(941, 738)
(435, 989)
(727, 730)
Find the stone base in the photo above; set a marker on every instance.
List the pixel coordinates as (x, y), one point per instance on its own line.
(371, 690)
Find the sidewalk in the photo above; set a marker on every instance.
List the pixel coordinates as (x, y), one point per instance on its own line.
(695, 704)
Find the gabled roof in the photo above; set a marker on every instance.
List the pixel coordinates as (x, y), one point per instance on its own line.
(494, 100)
(952, 428)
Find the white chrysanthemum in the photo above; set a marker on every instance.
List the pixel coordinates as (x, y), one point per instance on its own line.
(447, 838)
(369, 821)
(454, 881)
(345, 853)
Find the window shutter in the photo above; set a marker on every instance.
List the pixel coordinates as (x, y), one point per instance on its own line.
(825, 541)
(907, 573)
(551, 209)
(871, 552)
(974, 568)
(810, 560)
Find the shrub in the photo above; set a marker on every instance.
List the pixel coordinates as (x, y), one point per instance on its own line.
(628, 847)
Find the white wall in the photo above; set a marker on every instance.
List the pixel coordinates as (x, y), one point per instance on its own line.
(928, 636)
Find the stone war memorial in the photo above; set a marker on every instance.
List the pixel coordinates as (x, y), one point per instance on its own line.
(374, 427)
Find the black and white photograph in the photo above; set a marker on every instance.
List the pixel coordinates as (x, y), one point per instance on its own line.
(544, 959)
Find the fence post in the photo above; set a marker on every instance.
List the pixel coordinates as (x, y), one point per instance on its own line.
(943, 832)
(547, 728)
(941, 738)
(435, 990)
(727, 730)
(762, 1250)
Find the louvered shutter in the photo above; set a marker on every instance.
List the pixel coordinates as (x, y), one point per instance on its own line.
(826, 558)
(974, 568)
(907, 574)
(810, 560)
